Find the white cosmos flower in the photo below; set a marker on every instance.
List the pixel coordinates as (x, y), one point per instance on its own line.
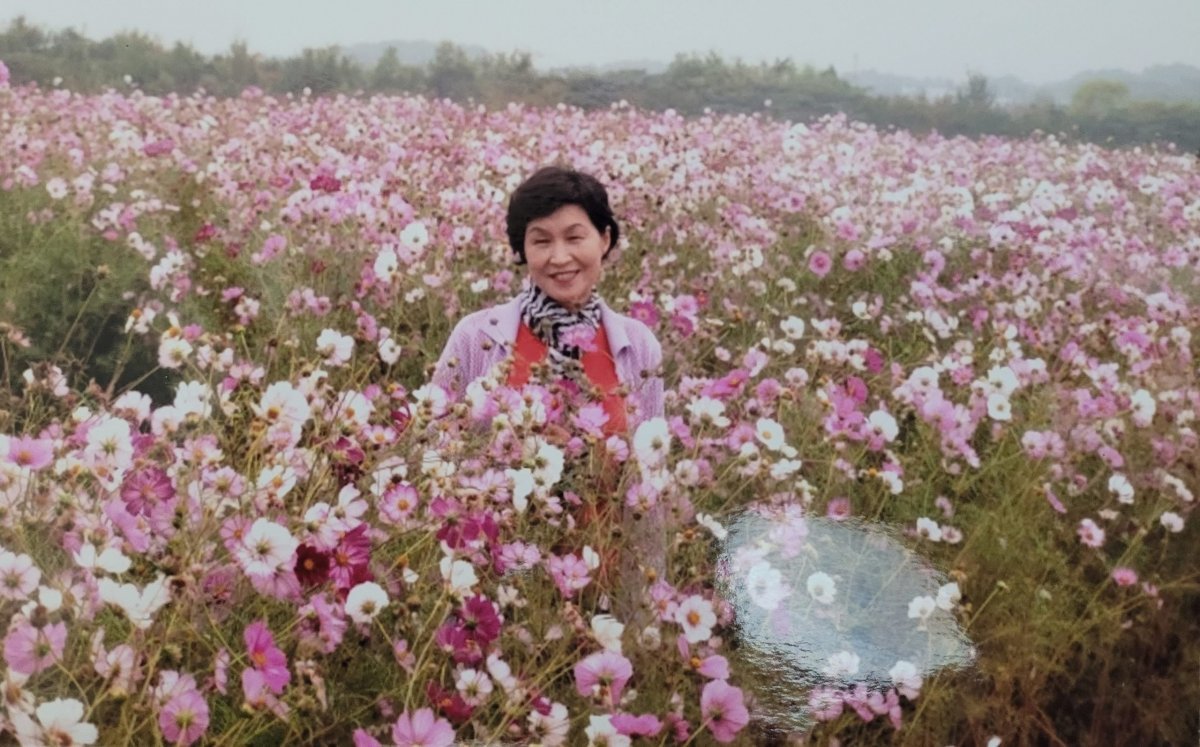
(266, 548)
(708, 410)
(1002, 380)
(765, 585)
(999, 408)
(822, 587)
(109, 442)
(907, 678)
(283, 403)
(590, 557)
(1143, 405)
(501, 672)
(415, 235)
(697, 618)
(884, 424)
(784, 468)
(459, 575)
(793, 327)
(551, 729)
(173, 351)
(386, 264)
(600, 731)
(522, 486)
(920, 608)
(718, 530)
(1119, 484)
(652, 442)
(335, 347)
(842, 664)
(770, 434)
(389, 351)
(929, 529)
(948, 596)
(111, 560)
(62, 723)
(431, 399)
(365, 601)
(474, 686)
(139, 605)
(1171, 521)
(607, 631)
(192, 398)
(549, 462)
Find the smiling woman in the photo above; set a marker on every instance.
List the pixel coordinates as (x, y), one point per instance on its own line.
(603, 366)
(561, 227)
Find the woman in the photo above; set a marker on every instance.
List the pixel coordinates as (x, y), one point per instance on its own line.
(560, 226)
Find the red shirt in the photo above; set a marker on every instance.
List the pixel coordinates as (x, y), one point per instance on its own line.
(598, 366)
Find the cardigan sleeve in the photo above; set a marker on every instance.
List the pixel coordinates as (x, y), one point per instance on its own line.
(454, 367)
(653, 391)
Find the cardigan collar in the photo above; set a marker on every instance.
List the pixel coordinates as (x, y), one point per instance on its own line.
(503, 321)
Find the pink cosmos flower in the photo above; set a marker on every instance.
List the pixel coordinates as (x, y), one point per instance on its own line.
(723, 709)
(184, 718)
(1090, 534)
(826, 703)
(838, 509)
(646, 725)
(422, 729)
(19, 576)
(1124, 576)
(604, 670)
(580, 336)
(569, 572)
(31, 453)
(363, 739)
(644, 312)
(146, 487)
(266, 657)
(29, 650)
(820, 264)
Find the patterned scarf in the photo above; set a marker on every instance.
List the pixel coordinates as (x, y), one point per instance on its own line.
(562, 330)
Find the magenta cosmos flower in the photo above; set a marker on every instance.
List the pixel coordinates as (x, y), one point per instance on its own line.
(723, 710)
(266, 656)
(422, 729)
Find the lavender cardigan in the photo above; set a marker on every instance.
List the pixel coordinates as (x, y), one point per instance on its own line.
(634, 347)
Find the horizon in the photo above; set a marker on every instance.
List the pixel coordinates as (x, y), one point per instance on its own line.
(947, 40)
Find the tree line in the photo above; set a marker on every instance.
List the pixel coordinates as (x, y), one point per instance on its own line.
(1100, 111)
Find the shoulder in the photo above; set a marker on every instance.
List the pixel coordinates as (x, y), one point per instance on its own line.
(639, 335)
(491, 321)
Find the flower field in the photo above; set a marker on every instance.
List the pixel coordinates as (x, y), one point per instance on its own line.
(235, 511)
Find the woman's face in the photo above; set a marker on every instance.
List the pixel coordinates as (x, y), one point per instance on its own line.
(564, 253)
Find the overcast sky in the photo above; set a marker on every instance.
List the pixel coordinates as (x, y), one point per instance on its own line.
(1038, 40)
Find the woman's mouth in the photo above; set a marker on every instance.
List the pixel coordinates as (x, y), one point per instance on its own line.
(564, 277)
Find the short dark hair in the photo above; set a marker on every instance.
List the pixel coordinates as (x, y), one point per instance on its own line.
(550, 188)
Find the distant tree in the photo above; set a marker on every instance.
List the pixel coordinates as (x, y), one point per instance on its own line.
(451, 74)
(976, 94)
(1099, 98)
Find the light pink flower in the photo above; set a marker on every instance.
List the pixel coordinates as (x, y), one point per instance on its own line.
(422, 729)
(600, 671)
(723, 709)
(184, 718)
